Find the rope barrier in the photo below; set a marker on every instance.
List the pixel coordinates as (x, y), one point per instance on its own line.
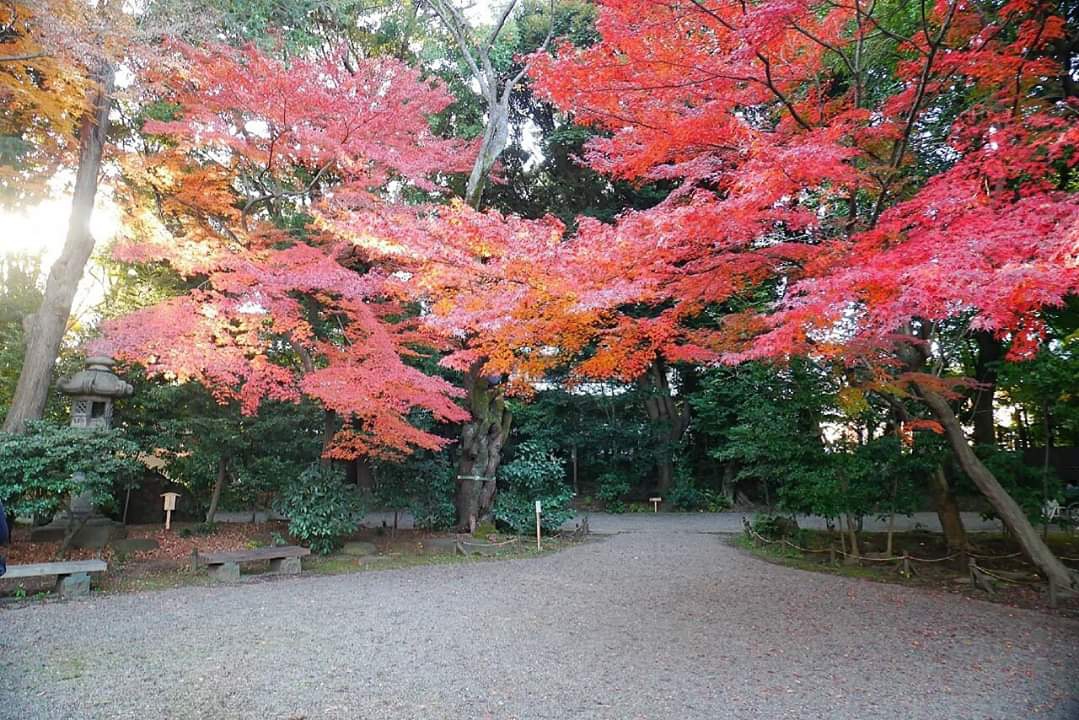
(489, 544)
(891, 558)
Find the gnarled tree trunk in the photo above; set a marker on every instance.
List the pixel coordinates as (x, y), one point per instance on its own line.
(482, 439)
(46, 327)
(1005, 506)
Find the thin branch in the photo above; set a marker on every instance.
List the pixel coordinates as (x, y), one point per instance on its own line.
(782, 98)
(923, 81)
(24, 56)
(498, 25)
(826, 45)
(543, 46)
(767, 66)
(456, 25)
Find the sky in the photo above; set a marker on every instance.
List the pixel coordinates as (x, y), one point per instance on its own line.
(41, 230)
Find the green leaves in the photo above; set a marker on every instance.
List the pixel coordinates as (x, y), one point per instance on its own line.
(422, 483)
(534, 474)
(38, 468)
(321, 509)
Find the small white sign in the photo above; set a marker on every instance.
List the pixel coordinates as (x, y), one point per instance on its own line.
(538, 506)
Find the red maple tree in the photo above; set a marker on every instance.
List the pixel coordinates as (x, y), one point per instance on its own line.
(880, 169)
(282, 307)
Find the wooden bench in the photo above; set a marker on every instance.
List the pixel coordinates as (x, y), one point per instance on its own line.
(225, 566)
(72, 577)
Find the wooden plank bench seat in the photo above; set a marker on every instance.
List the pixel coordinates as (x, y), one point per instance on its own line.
(225, 566)
(72, 577)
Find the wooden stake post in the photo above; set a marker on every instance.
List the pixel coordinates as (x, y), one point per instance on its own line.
(539, 509)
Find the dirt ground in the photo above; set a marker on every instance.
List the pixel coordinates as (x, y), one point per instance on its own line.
(1013, 579)
(171, 563)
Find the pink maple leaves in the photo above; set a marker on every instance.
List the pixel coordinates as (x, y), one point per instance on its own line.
(278, 314)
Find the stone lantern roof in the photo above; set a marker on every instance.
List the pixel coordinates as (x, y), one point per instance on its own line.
(97, 379)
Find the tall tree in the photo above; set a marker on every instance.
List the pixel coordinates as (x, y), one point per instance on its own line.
(46, 327)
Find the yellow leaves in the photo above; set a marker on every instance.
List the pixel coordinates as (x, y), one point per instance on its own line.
(45, 56)
(852, 401)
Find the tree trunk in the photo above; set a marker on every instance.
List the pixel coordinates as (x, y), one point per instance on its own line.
(46, 327)
(1005, 506)
(1047, 426)
(329, 429)
(365, 476)
(215, 499)
(573, 460)
(852, 533)
(990, 353)
(729, 483)
(495, 137)
(662, 408)
(480, 453)
(951, 522)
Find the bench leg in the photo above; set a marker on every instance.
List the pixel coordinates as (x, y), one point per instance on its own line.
(286, 566)
(73, 586)
(225, 572)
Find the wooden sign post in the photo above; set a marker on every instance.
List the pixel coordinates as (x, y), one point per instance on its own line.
(539, 509)
(655, 503)
(170, 505)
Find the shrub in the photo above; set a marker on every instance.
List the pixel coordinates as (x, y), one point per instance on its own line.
(321, 509)
(423, 484)
(686, 496)
(612, 490)
(42, 467)
(773, 526)
(534, 474)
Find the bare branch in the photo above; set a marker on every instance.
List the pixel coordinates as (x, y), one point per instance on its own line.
(457, 26)
(498, 25)
(543, 46)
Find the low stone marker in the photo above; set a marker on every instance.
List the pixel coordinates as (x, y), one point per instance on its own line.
(359, 548)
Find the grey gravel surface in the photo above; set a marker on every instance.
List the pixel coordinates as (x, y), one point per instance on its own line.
(724, 522)
(636, 625)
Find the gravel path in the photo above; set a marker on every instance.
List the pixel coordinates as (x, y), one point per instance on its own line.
(724, 522)
(637, 625)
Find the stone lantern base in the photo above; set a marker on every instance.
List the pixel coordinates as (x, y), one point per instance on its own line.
(96, 532)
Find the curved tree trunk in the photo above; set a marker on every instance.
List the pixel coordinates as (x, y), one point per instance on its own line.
(46, 327)
(1005, 506)
(215, 499)
(495, 137)
(482, 439)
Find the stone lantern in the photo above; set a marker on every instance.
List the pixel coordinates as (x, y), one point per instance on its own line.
(92, 393)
